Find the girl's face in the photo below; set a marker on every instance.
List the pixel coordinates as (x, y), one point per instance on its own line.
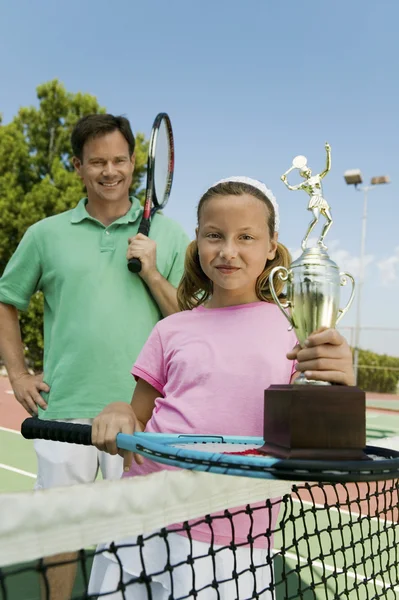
(234, 245)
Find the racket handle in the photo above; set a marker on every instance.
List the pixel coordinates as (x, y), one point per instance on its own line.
(134, 264)
(144, 227)
(73, 433)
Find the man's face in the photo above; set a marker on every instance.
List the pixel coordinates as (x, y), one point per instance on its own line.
(106, 168)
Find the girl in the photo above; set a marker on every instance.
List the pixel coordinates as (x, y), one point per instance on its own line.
(204, 370)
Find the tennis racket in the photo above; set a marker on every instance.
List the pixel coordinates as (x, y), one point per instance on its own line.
(227, 455)
(299, 162)
(160, 168)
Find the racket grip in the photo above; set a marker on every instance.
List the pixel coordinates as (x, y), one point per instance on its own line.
(73, 433)
(144, 227)
(134, 264)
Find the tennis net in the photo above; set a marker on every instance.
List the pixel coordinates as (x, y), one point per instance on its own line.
(136, 539)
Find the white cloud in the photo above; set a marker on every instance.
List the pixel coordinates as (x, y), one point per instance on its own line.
(344, 259)
(389, 268)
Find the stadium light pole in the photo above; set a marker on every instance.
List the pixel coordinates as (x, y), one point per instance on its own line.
(354, 177)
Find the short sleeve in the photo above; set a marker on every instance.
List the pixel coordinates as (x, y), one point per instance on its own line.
(176, 272)
(22, 274)
(150, 364)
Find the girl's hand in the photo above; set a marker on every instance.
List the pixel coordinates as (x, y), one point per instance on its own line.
(117, 417)
(326, 356)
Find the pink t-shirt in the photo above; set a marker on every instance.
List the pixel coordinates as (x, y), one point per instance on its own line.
(211, 367)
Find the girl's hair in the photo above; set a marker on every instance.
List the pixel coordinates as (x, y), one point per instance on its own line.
(195, 287)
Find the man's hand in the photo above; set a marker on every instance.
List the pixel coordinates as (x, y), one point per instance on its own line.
(117, 417)
(145, 249)
(26, 390)
(325, 356)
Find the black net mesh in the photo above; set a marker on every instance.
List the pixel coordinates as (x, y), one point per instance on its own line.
(329, 542)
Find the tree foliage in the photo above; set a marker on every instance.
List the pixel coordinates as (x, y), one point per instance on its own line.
(37, 179)
(378, 372)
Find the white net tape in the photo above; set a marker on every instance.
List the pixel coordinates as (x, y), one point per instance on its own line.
(42, 523)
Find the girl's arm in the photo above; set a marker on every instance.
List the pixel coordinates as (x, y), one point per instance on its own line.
(119, 417)
(143, 402)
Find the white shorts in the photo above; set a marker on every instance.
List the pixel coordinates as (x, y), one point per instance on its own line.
(107, 571)
(60, 463)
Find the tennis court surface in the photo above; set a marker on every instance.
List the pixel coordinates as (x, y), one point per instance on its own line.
(330, 541)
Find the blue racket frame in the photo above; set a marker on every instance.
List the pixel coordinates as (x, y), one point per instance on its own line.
(154, 446)
(169, 449)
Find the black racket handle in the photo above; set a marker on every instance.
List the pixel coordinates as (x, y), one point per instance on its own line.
(134, 264)
(73, 433)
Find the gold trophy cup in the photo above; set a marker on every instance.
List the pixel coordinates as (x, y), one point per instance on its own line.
(313, 419)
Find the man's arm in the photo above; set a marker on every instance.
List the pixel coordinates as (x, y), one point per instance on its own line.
(163, 292)
(21, 278)
(11, 349)
(26, 386)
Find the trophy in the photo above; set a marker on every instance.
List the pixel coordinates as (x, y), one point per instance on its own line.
(313, 419)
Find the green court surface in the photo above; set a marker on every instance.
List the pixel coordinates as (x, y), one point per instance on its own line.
(350, 542)
(26, 586)
(384, 404)
(18, 462)
(17, 473)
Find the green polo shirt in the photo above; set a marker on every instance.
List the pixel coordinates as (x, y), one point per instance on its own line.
(97, 315)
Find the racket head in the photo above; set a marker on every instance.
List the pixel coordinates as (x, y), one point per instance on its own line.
(160, 169)
(299, 162)
(149, 191)
(161, 161)
(214, 454)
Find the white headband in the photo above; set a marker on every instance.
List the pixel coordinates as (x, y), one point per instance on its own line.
(261, 187)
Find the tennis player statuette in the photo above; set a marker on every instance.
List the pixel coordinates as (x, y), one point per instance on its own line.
(312, 419)
(313, 280)
(312, 186)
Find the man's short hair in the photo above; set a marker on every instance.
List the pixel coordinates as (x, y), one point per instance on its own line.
(92, 126)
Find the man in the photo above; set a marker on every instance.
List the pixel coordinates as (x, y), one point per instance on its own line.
(97, 314)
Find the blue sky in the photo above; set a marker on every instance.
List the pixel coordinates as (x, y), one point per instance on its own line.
(248, 85)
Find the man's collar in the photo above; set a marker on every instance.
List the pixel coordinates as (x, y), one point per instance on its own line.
(79, 213)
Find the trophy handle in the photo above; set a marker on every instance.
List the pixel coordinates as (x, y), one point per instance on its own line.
(283, 274)
(344, 280)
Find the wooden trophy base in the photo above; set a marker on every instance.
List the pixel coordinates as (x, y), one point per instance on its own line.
(315, 422)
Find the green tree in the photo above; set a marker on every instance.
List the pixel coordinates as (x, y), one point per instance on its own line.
(37, 180)
(378, 372)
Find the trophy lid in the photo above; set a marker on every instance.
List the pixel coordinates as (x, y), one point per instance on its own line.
(314, 256)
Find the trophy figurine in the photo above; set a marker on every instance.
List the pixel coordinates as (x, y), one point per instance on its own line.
(313, 419)
(312, 186)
